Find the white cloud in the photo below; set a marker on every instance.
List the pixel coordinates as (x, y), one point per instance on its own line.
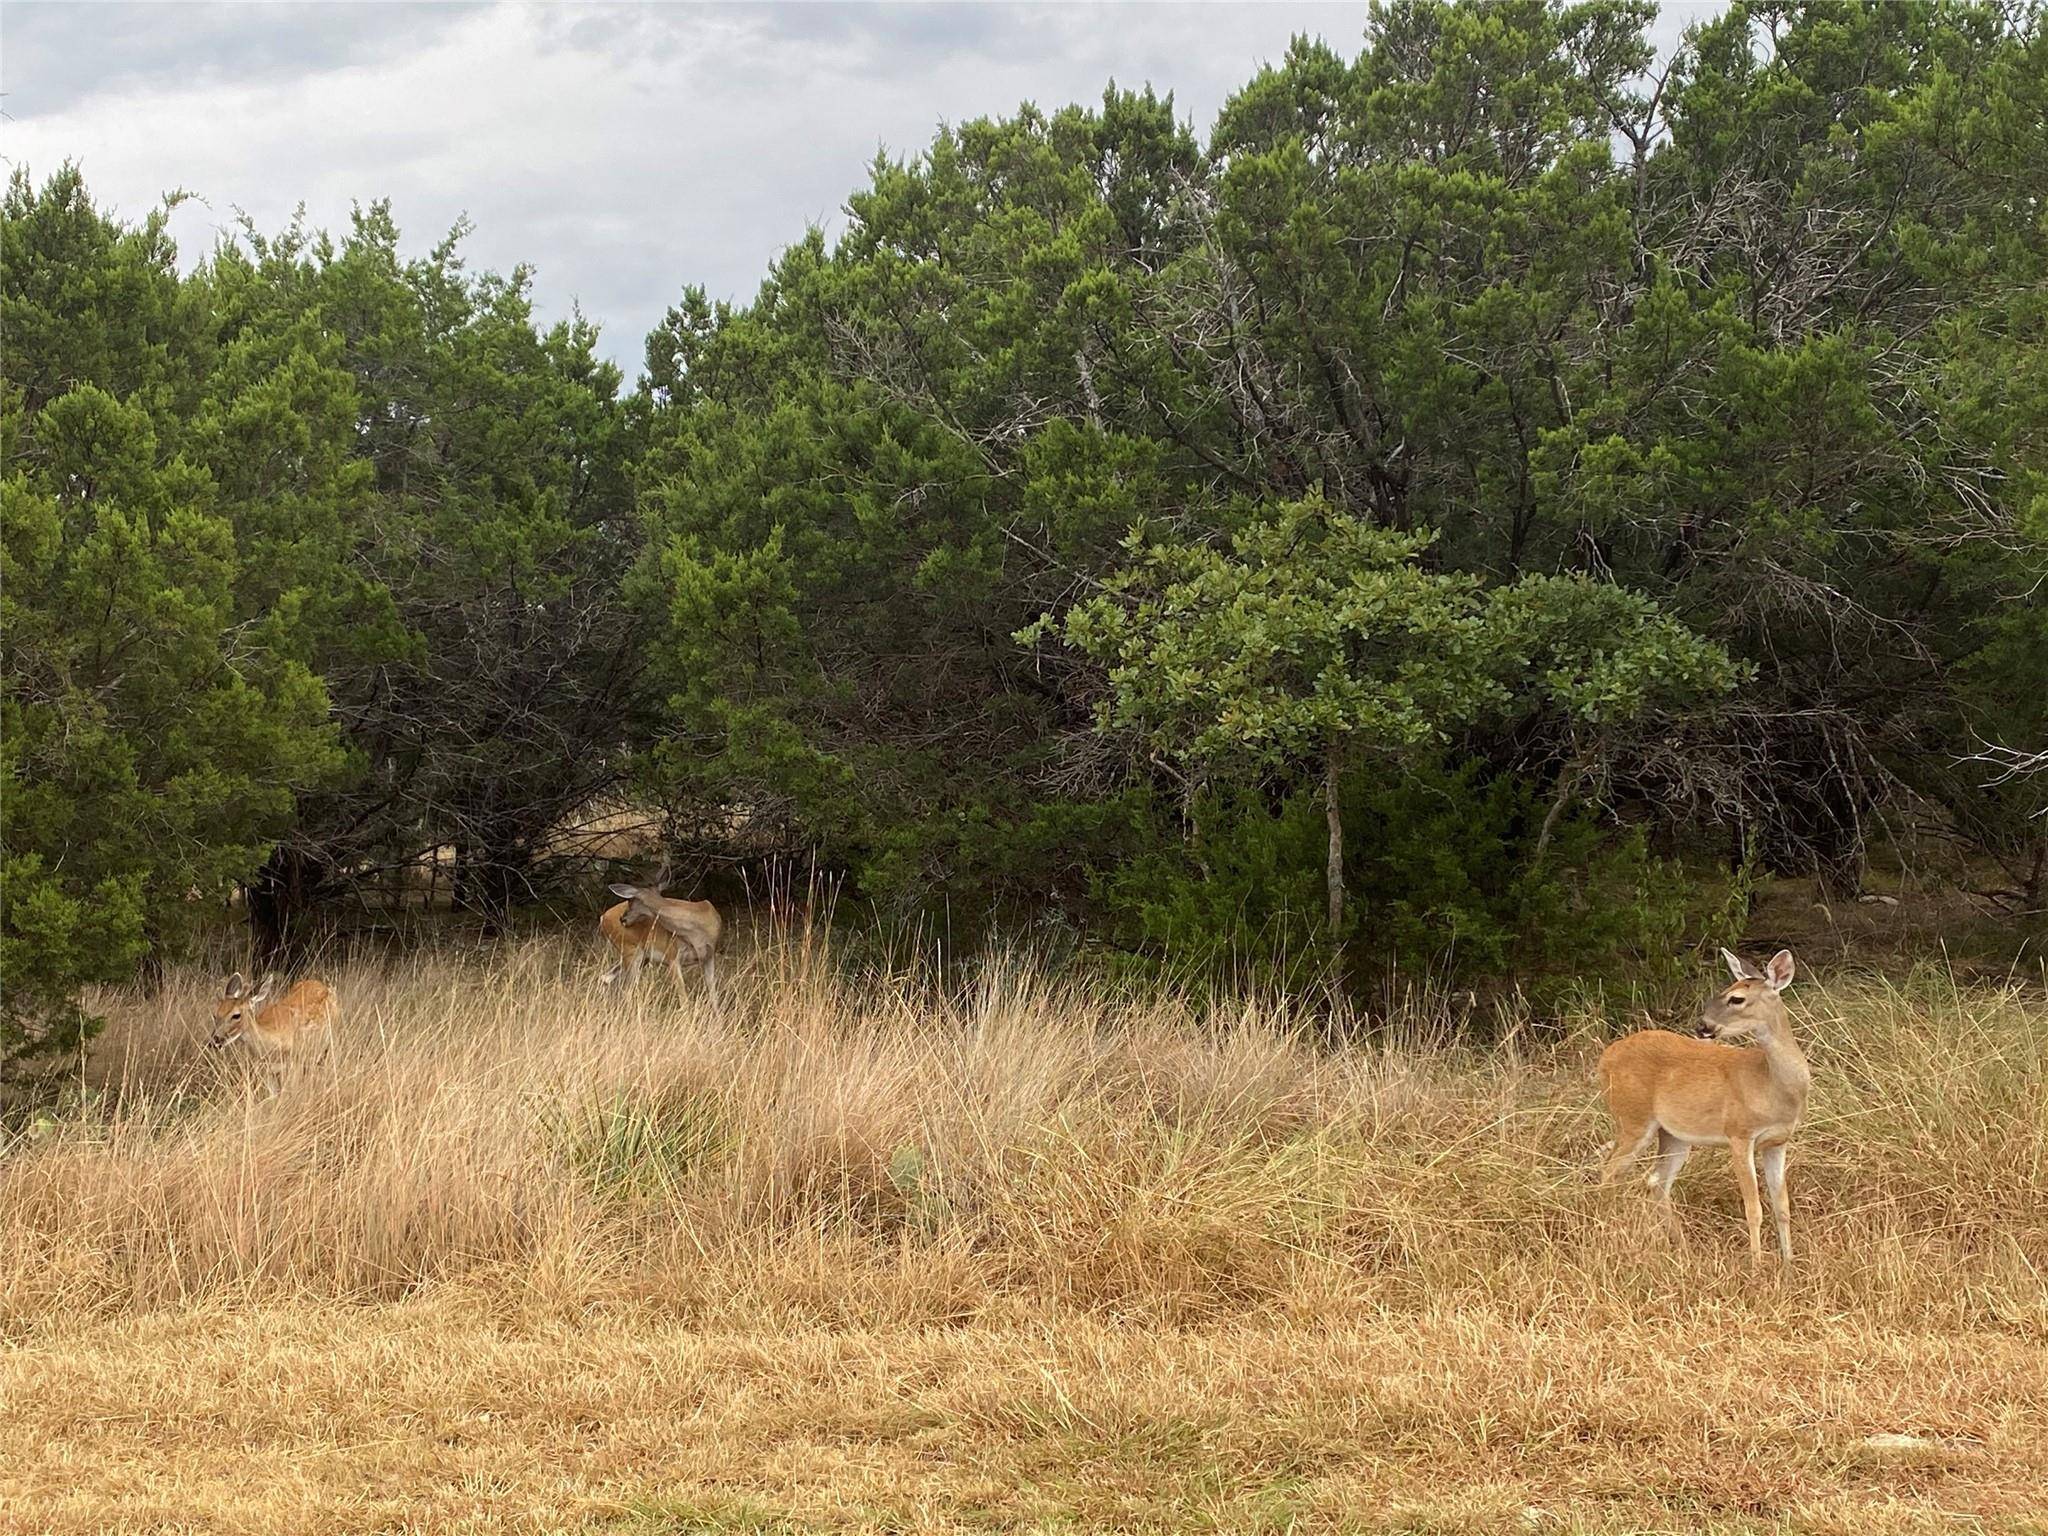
(622, 152)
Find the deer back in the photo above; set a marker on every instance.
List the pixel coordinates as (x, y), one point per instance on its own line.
(273, 1021)
(303, 1012)
(646, 918)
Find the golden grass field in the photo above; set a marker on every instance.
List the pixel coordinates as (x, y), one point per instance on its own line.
(1014, 1254)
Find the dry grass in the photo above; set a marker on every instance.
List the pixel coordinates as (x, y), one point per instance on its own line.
(1023, 1256)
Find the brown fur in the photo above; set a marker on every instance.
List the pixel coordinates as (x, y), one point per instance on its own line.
(1680, 1093)
(688, 934)
(276, 1030)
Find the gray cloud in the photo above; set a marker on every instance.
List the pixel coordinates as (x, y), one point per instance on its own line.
(59, 53)
(623, 152)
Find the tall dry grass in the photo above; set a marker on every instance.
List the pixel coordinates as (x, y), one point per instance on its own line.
(1012, 1252)
(842, 1151)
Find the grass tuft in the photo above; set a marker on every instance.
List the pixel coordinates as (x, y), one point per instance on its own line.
(1021, 1254)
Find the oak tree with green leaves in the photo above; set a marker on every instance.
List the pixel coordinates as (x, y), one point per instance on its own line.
(1319, 637)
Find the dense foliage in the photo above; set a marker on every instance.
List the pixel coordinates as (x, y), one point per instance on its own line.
(312, 568)
(1490, 473)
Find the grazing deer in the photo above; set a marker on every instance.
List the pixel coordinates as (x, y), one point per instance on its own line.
(1683, 1093)
(275, 1030)
(679, 932)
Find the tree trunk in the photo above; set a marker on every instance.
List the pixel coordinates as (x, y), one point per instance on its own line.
(155, 965)
(1841, 857)
(280, 906)
(1560, 797)
(1333, 774)
(488, 880)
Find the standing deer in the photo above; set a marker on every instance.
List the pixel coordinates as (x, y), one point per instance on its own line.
(679, 932)
(275, 1030)
(1683, 1093)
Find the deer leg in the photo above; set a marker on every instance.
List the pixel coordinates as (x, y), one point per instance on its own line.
(711, 977)
(633, 962)
(1628, 1141)
(1742, 1153)
(1773, 1160)
(1671, 1156)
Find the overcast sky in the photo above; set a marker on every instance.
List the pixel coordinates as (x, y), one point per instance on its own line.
(622, 151)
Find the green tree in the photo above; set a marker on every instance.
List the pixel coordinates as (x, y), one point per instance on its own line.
(857, 488)
(151, 744)
(458, 590)
(1321, 637)
(1754, 339)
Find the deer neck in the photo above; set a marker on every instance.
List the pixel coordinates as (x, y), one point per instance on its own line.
(1783, 1059)
(258, 1024)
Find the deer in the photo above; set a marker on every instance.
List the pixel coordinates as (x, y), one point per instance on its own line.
(645, 922)
(276, 1031)
(1680, 1092)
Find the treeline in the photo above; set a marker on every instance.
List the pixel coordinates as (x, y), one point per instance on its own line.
(1493, 480)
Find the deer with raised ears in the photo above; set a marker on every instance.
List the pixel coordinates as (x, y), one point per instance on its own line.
(646, 923)
(1678, 1093)
(275, 1030)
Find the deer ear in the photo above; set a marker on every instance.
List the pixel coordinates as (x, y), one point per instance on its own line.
(1780, 972)
(269, 981)
(1737, 966)
(628, 892)
(235, 987)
